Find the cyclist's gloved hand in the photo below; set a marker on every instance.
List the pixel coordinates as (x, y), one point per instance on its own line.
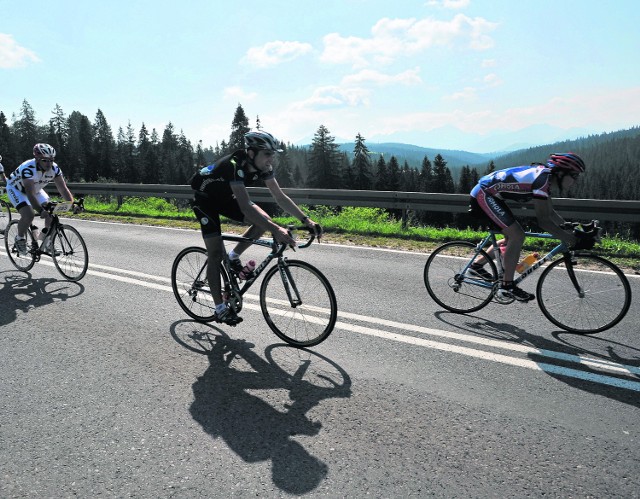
(584, 240)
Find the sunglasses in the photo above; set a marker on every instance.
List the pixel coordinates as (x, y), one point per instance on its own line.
(574, 175)
(46, 160)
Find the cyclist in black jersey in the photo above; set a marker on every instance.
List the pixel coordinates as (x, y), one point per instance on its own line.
(523, 183)
(220, 189)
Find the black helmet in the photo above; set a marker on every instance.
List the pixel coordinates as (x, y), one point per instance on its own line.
(261, 141)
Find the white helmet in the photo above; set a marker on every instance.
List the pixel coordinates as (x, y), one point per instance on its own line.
(44, 151)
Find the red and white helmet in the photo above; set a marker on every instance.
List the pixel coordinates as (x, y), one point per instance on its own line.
(569, 161)
(44, 151)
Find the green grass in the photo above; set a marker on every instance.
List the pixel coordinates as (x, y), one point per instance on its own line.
(350, 225)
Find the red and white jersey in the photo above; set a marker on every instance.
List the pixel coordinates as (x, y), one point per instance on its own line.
(519, 183)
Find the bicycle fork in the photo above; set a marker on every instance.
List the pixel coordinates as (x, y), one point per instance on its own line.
(289, 284)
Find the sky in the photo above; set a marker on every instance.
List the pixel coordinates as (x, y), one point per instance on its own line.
(474, 75)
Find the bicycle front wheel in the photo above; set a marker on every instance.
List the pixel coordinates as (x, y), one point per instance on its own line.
(190, 284)
(70, 255)
(298, 303)
(5, 216)
(446, 284)
(24, 262)
(586, 296)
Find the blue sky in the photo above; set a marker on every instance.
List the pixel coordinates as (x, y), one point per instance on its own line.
(457, 74)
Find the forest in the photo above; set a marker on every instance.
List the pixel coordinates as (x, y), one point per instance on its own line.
(88, 151)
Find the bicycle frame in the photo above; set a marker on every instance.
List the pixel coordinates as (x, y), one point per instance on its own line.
(490, 240)
(277, 250)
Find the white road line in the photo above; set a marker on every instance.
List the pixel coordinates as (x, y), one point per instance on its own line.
(594, 363)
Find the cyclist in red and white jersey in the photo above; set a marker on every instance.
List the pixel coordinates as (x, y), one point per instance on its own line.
(524, 183)
(25, 188)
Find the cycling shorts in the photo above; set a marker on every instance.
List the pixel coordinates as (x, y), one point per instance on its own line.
(494, 209)
(19, 199)
(208, 214)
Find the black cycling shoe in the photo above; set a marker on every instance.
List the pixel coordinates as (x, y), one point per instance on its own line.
(227, 317)
(516, 293)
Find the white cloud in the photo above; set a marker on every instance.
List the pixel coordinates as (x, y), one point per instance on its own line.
(239, 94)
(274, 53)
(333, 97)
(409, 77)
(13, 55)
(489, 63)
(492, 80)
(393, 38)
(469, 93)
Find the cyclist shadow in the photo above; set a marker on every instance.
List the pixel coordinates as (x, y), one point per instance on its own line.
(240, 399)
(560, 355)
(20, 292)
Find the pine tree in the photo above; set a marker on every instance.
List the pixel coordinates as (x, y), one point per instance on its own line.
(393, 178)
(26, 131)
(239, 127)
(169, 156)
(103, 149)
(324, 161)
(382, 174)
(361, 165)
(426, 176)
(491, 167)
(79, 149)
(283, 168)
(7, 148)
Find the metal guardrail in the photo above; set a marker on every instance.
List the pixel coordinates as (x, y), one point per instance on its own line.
(573, 209)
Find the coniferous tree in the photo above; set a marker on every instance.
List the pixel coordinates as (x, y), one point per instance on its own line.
(425, 179)
(7, 148)
(361, 165)
(283, 168)
(169, 156)
(103, 149)
(393, 178)
(239, 127)
(58, 134)
(26, 131)
(79, 150)
(382, 174)
(491, 167)
(324, 161)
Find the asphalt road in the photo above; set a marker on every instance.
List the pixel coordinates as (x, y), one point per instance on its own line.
(108, 390)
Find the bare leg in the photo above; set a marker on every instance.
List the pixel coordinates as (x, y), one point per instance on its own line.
(214, 255)
(26, 219)
(515, 235)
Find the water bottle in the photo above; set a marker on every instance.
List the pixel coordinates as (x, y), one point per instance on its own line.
(247, 270)
(527, 262)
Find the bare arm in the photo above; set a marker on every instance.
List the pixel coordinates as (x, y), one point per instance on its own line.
(61, 185)
(550, 220)
(251, 214)
(287, 204)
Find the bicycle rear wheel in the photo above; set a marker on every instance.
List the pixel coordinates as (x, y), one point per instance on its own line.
(70, 255)
(600, 301)
(190, 284)
(448, 287)
(5, 216)
(21, 262)
(298, 303)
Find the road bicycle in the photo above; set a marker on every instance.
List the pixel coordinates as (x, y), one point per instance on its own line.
(62, 243)
(5, 213)
(579, 291)
(296, 299)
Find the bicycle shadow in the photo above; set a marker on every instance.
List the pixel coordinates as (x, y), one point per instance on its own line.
(21, 292)
(239, 398)
(565, 360)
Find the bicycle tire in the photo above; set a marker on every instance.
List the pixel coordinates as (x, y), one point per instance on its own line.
(605, 301)
(70, 255)
(5, 216)
(308, 323)
(21, 262)
(442, 278)
(190, 284)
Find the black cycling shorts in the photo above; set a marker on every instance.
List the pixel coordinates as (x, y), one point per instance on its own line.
(208, 214)
(493, 209)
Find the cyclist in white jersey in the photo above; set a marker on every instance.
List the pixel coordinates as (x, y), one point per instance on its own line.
(523, 183)
(25, 188)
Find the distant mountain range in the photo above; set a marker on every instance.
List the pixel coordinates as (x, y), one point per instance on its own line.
(456, 158)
